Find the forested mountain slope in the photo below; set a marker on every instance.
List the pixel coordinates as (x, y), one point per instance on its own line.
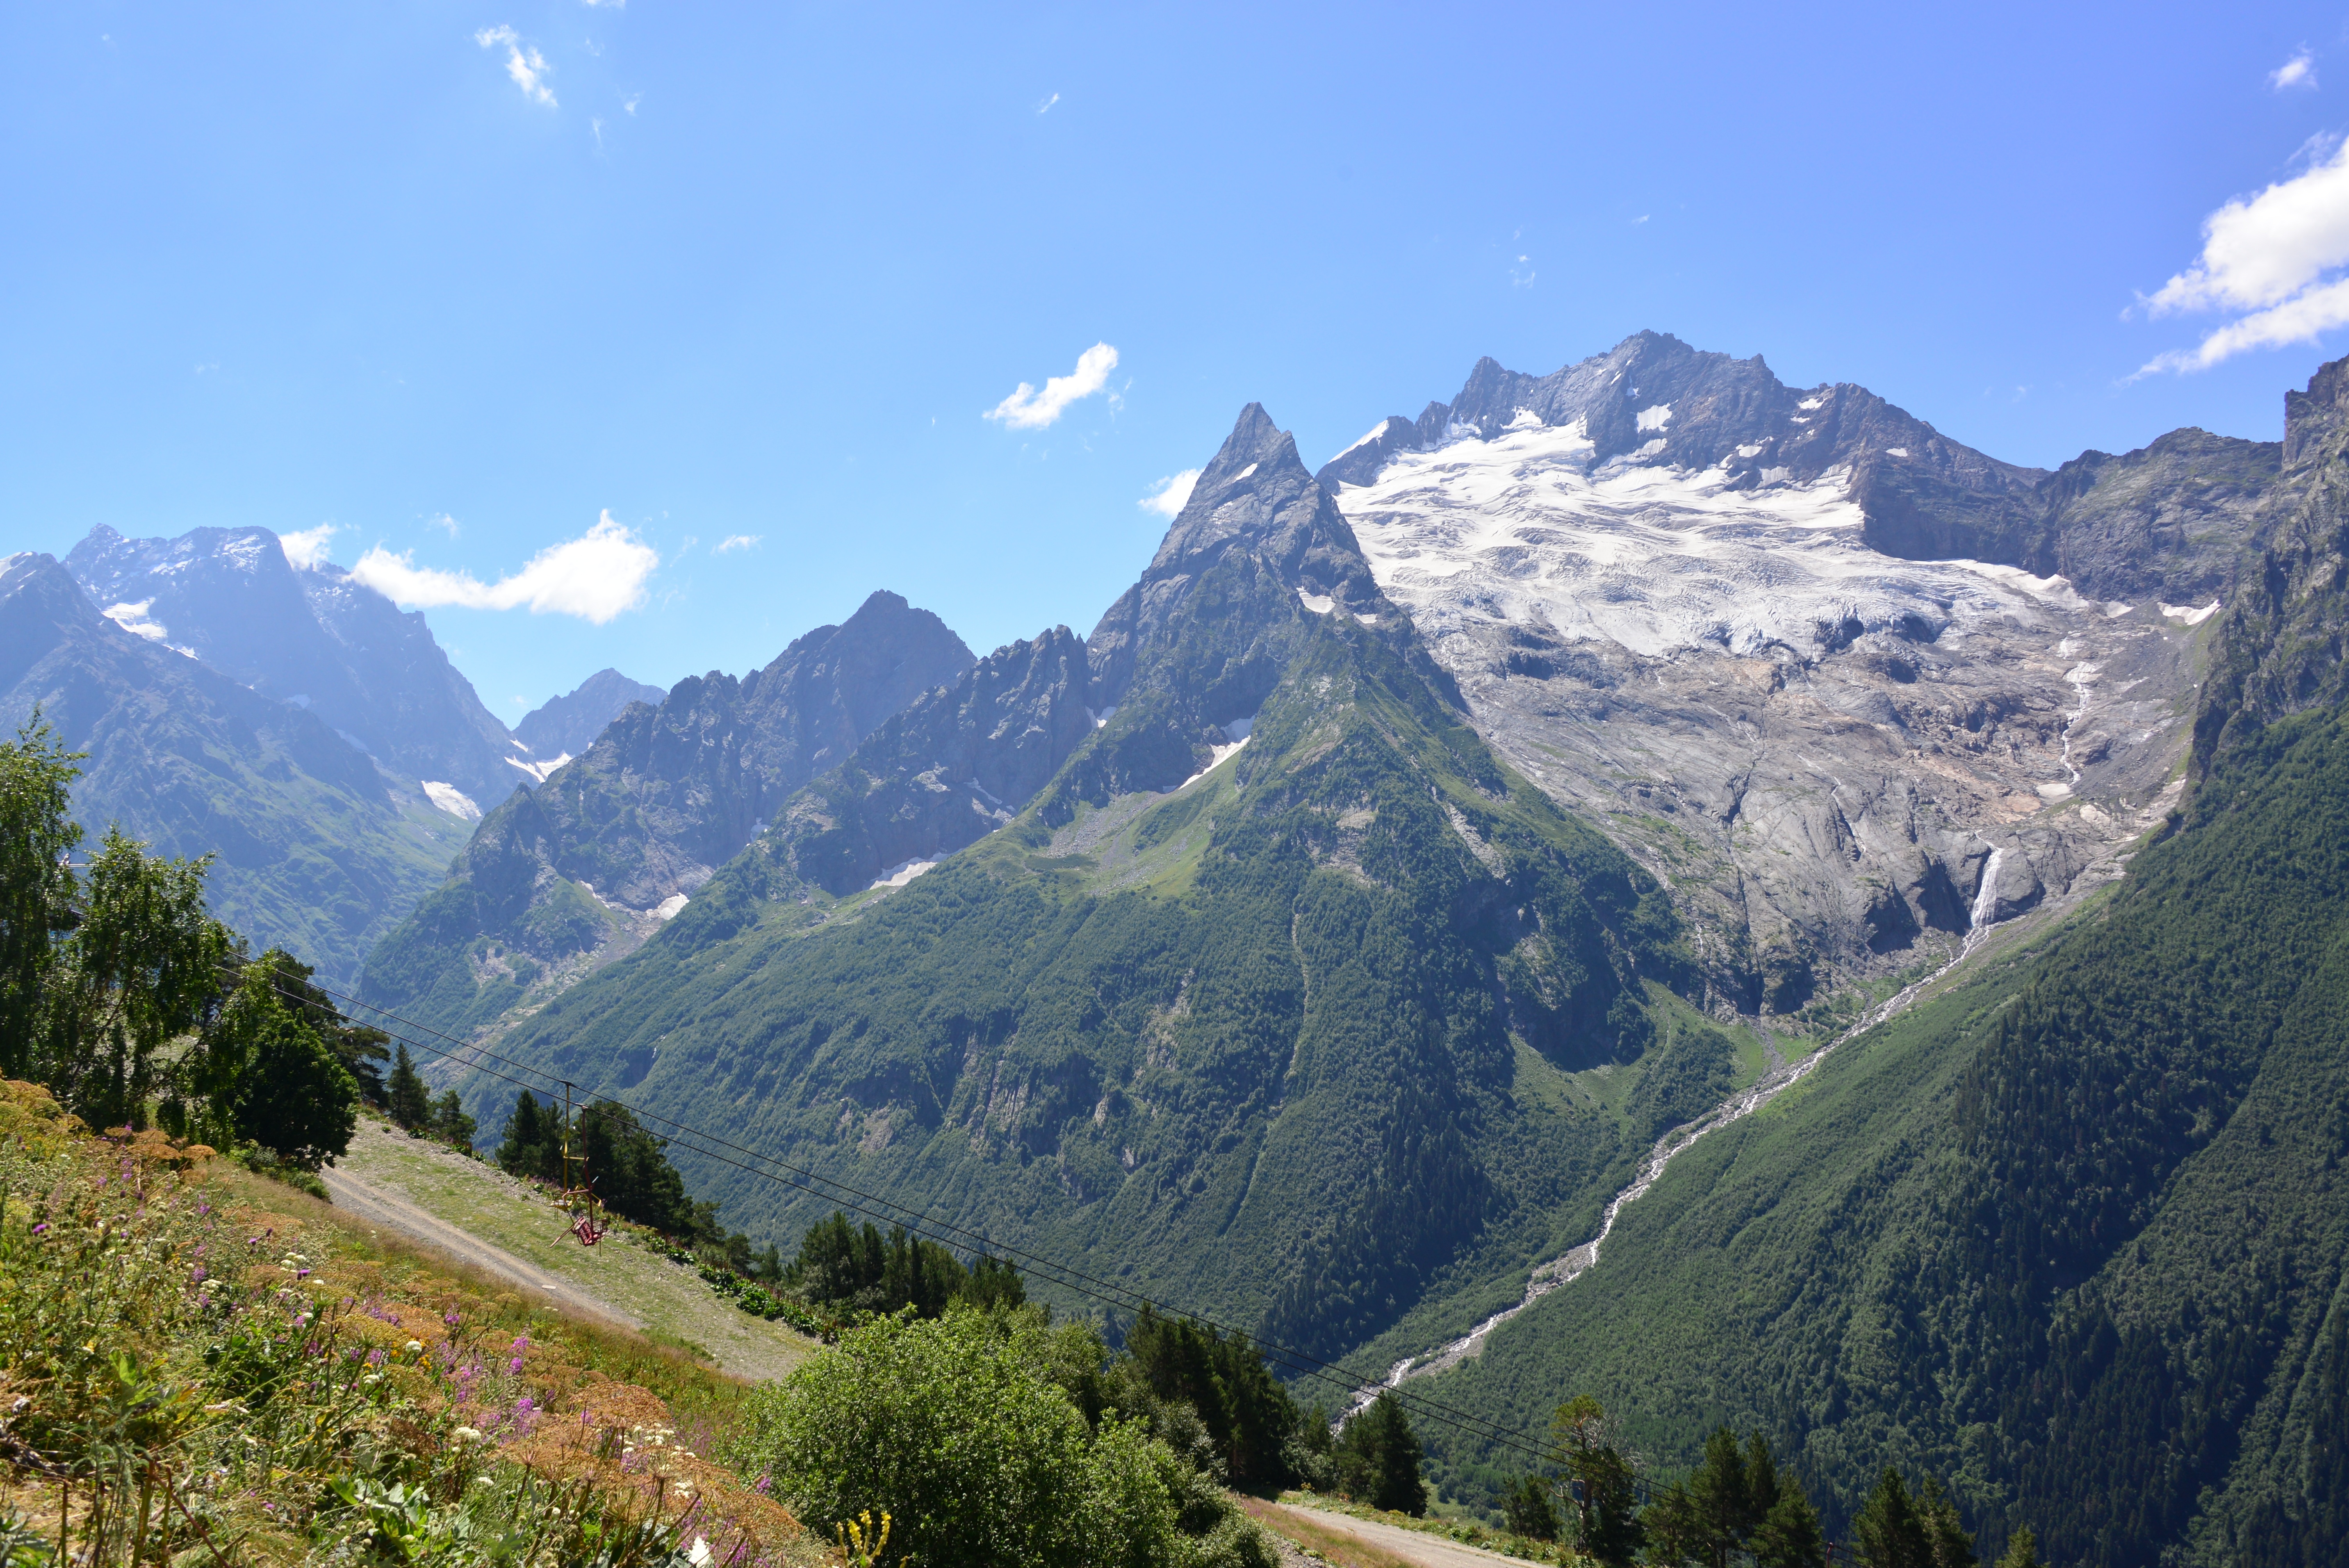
(578, 870)
(318, 849)
(2074, 1235)
(1283, 997)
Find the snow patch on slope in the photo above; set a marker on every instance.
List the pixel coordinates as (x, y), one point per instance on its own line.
(451, 799)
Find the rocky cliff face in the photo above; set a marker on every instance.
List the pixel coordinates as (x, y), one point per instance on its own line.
(558, 730)
(572, 875)
(1854, 688)
(313, 638)
(2281, 643)
(318, 849)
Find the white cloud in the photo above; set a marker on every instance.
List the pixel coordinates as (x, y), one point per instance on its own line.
(614, 4)
(1167, 497)
(736, 541)
(2299, 71)
(2265, 259)
(1028, 409)
(306, 548)
(631, 101)
(445, 523)
(595, 577)
(524, 64)
(1046, 106)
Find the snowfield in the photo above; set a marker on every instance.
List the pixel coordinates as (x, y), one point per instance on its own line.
(1656, 559)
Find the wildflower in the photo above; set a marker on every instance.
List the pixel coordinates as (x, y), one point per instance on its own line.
(197, 1275)
(449, 1317)
(466, 1435)
(416, 1347)
(41, 1228)
(701, 1555)
(514, 1367)
(375, 1358)
(522, 1342)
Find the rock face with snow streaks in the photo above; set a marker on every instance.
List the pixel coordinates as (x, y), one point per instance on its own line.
(1808, 658)
(310, 636)
(568, 876)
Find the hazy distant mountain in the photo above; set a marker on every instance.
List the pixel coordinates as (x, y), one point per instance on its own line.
(312, 637)
(567, 726)
(576, 871)
(320, 849)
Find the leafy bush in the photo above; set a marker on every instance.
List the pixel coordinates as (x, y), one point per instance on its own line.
(958, 1428)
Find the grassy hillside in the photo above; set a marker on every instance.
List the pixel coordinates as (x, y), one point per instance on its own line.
(2072, 1234)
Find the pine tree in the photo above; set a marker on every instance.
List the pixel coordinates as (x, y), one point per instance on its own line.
(450, 1125)
(1890, 1533)
(1528, 1509)
(1952, 1546)
(1603, 1479)
(1379, 1458)
(2022, 1550)
(411, 1103)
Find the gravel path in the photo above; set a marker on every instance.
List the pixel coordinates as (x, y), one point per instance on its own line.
(1409, 1545)
(380, 1206)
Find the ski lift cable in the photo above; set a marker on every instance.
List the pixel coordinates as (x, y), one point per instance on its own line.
(1108, 1292)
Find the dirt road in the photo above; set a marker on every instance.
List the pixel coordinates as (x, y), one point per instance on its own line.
(1315, 1525)
(389, 1210)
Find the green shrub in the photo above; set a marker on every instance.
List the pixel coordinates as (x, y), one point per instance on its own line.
(956, 1428)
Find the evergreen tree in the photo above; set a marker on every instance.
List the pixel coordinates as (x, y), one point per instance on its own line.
(450, 1125)
(1789, 1535)
(2022, 1550)
(1603, 1479)
(994, 1281)
(1952, 1546)
(1379, 1458)
(410, 1102)
(1890, 1533)
(528, 1147)
(1527, 1508)
(1223, 1377)
(363, 1051)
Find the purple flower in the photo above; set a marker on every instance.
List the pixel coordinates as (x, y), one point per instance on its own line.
(41, 1229)
(522, 1342)
(451, 1317)
(197, 1277)
(514, 1367)
(375, 1358)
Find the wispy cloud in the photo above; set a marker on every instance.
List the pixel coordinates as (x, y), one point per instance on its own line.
(306, 548)
(613, 5)
(733, 541)
(1046, 106)
(631, 101)
(2272, 261)
(2299, 71)
(595, 577)
(445, 523)
(524, 64)
(1028, 409)
(1167, 497)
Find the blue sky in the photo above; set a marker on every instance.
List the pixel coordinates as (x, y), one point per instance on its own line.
(476, 282)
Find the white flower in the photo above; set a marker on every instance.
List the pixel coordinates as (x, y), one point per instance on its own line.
(466, 1435)
(701, 1555)
(416, 1347)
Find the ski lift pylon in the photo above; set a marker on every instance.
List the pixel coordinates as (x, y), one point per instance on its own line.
(586, 1218)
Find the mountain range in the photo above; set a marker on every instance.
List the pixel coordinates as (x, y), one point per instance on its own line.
(1642, 880)
(286, 719)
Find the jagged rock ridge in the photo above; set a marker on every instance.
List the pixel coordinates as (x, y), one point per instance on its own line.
(312, 637)
(318, 849)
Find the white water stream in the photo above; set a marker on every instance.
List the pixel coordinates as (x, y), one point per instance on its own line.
(1566, 1268)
